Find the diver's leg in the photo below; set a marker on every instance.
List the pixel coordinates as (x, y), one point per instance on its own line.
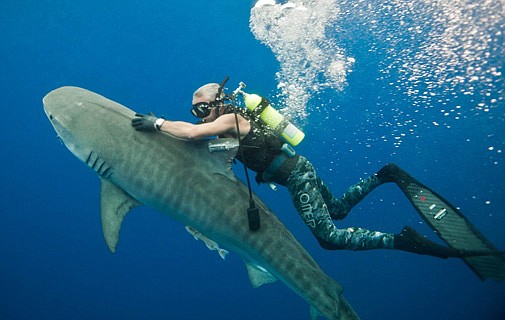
(339, 208)
(303, 186)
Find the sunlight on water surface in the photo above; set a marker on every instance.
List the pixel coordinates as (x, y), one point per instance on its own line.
(440, 61)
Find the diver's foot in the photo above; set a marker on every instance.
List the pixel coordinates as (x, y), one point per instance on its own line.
(392, 173)
(411, 241)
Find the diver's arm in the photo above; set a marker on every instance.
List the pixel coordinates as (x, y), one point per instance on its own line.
(186, 130)
(223, 125)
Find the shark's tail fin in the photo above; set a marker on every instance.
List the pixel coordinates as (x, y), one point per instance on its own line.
(333, 303)
(346, 312)
(452, 227)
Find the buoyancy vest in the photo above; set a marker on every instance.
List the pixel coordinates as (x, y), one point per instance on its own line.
(260, 147)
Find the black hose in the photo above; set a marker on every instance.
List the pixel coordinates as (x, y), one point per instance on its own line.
(253, 215)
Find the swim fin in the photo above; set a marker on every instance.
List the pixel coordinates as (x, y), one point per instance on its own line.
(449, 224)
(410, 240)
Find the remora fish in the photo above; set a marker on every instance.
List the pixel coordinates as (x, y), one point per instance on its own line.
(193, 186)
(212, 245)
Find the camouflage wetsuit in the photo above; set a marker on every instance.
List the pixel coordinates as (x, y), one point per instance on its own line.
(311, 197)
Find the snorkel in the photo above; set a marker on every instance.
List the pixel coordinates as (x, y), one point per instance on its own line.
(220, 97)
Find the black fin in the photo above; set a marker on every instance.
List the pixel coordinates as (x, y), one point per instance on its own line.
(452, 227)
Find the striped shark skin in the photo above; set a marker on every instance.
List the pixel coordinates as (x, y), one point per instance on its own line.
(187, 182)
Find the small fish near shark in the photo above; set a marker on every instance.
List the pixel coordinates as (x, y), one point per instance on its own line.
(192, 185)
(211, 244)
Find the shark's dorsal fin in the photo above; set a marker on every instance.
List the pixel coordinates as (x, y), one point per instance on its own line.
(222, 152)
(217, 152)
(258, 275)
(115, 203)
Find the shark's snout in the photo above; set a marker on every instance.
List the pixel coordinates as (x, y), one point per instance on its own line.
(58, 101)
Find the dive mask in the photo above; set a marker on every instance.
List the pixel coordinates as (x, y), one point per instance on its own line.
(202, 109)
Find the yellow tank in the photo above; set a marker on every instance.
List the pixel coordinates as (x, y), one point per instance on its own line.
(288, 131)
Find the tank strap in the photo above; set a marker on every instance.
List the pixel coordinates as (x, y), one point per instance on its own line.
(281, 126)
(286, 152)
(259, 109)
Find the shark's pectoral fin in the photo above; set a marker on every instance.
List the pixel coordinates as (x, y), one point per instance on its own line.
(314, 313)
(258, 275)
(115, 203)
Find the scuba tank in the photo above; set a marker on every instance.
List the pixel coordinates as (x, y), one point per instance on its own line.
(260, 108)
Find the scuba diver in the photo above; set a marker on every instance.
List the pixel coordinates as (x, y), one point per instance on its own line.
(263, 151)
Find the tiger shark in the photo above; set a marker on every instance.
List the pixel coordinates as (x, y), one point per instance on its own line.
(186, 181)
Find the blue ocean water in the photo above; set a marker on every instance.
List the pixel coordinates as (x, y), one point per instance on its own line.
(369, 82)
